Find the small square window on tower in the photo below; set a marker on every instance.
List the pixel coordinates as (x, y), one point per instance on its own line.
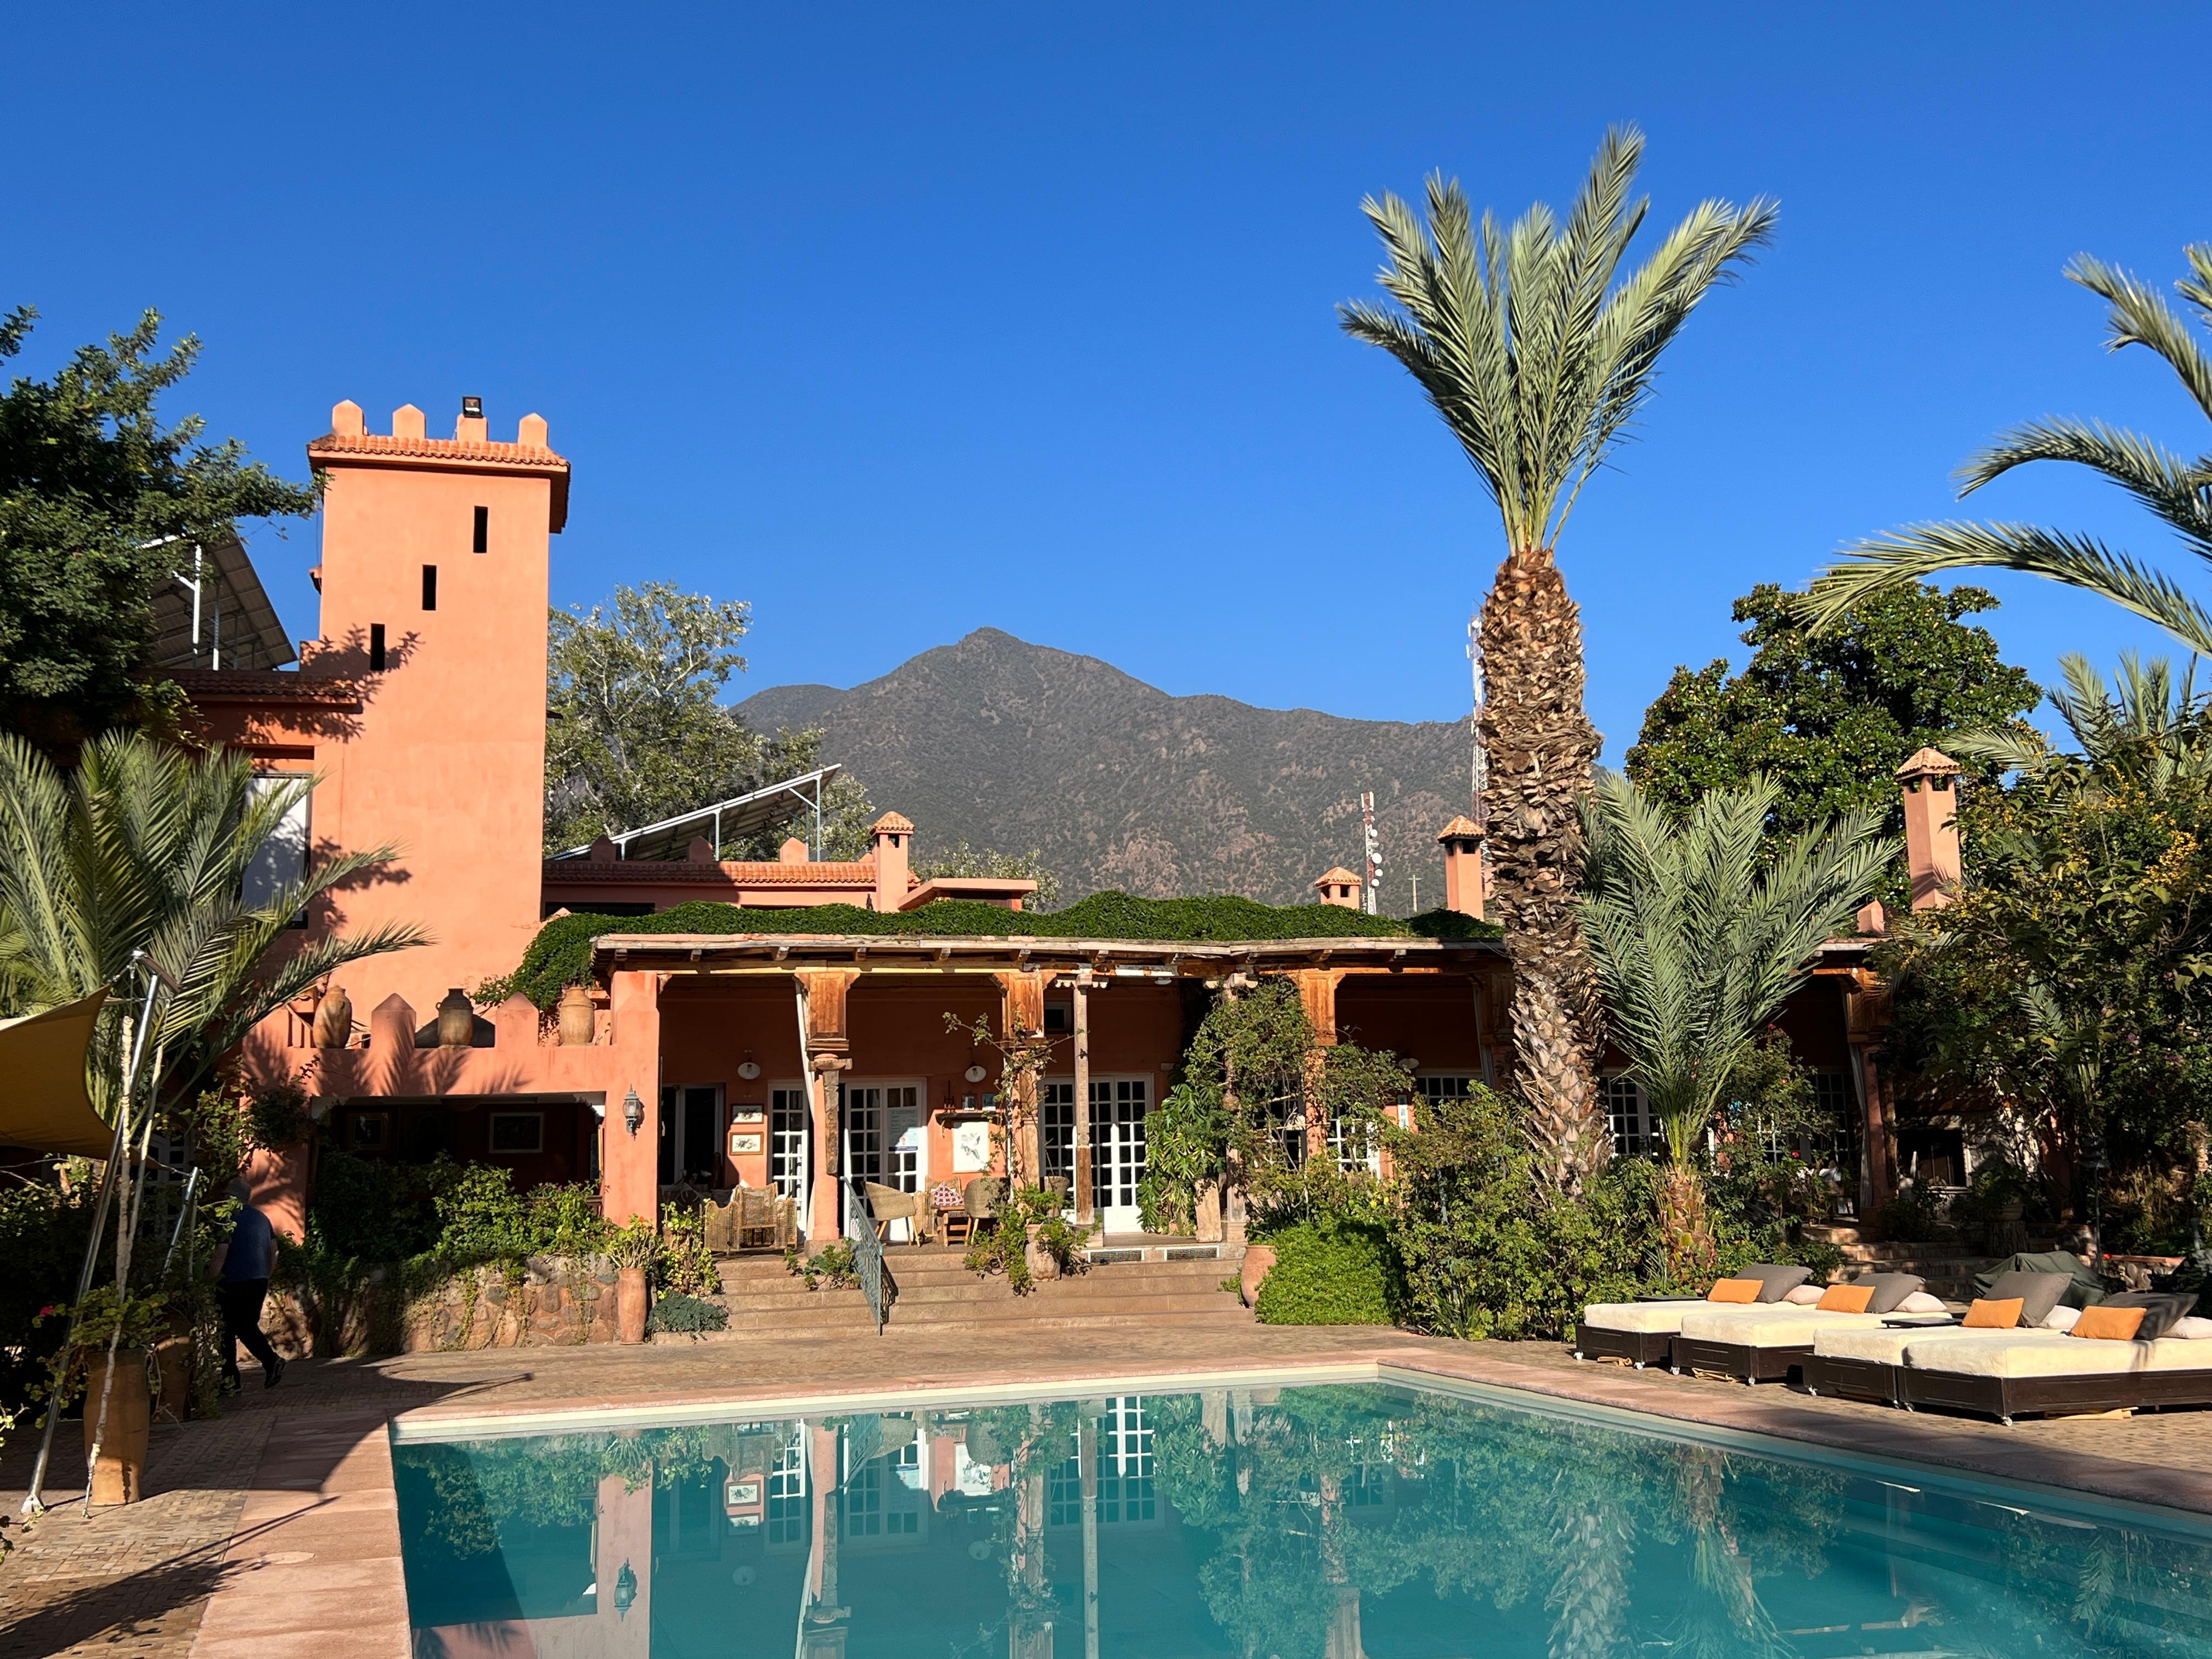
(376, 647)
(483, 530)
(429, 587)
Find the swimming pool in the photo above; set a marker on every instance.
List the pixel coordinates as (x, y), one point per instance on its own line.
(1301, 1523)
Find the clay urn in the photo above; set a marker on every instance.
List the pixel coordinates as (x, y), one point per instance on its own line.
(334, 1019)
(457, 1020)
(1043, 1263)
(1259, 1261)
(579, 1021)
(630, 1313)
(123, 1438)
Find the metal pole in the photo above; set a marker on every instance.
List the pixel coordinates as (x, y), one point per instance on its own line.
(196, 552)
(183, 1210)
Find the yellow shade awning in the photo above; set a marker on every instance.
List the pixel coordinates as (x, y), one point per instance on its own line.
(43, 1102)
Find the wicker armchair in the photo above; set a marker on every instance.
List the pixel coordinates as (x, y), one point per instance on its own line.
(981, 1199)
(889, 1204)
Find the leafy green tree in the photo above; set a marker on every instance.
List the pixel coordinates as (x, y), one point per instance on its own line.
(637, 731)
(143, 846)
(2071, 975)
(1700, 931)
(97, 497)
(1537, 359)
(2176, 490)
(1829, 716)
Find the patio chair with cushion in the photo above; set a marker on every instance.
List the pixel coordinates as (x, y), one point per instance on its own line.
(980, 1199)
(1643, 1332)
(889, 1204)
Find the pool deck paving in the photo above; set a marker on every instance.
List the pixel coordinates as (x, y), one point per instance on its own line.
(268, 1533)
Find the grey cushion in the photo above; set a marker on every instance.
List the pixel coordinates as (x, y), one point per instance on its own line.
(2162, 1309)
(2084, 1289)
(1890, 1289)
(2039, 1294)
(1777, 1280)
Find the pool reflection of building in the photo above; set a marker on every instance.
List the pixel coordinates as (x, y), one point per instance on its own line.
(865, 1530)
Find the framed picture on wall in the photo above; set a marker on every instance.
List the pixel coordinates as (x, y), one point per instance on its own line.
(372, 1131)
(515, 1133)
(740, 1144)
(971, 1147)
(748, 1115)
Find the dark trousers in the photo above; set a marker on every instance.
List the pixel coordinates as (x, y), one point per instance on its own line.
(241, 1322)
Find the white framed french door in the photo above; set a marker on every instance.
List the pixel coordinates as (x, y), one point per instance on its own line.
(790, 1138)
(1118, 1105)
(886, 1141)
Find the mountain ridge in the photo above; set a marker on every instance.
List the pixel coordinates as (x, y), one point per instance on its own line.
(1118, 784)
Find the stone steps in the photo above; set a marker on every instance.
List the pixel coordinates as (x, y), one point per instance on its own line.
(935, 1290)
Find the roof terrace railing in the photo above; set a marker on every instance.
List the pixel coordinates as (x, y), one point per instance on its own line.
(740, 815)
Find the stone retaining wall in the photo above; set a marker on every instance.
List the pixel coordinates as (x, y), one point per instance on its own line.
(557, 1300)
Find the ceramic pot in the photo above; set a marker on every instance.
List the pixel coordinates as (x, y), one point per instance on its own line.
(631, 1299)
(172, 1365)
(334, 1019)
(1259, 1261)
(122, 1445)
(579, 1020)
(457, 1020)
(1043, 1264)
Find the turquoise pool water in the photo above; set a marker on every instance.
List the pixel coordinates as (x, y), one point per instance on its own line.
(1318, 1522)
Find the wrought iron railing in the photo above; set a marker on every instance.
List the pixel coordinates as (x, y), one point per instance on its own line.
(868, 1252)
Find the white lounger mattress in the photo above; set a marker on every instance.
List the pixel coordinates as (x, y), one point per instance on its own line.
(1887, 1346)
(1787, 1326)
(2031, 1354)
(1657, 1318)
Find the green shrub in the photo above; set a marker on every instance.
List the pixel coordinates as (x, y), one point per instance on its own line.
(561, 955)
(1329, 1272)
(1002, 1249)
(672, 1310)
(684, 1266)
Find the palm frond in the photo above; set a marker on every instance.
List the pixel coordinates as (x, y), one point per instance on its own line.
(2141, 316)
(2170, 486)
(1926, 551)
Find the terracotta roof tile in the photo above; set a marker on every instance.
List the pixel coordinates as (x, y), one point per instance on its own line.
(461, 454)
(1460, 829)
(263, 685)
(1337, 876)
(748, 873)
(892, 823)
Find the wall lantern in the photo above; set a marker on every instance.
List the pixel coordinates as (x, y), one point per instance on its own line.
(633, 1111)
(625, 1580)
(750, 1070)
(975, 1074)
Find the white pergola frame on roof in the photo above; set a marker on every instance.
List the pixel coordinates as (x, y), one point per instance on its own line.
(738, 815)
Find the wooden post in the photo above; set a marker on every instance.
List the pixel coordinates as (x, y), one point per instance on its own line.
(1866, 1020)
(829, 1046)
(1317, 995)
(1085, 1204)
(1086, 1451)
(1023, 1015)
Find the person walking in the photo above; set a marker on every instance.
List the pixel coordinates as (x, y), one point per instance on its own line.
(242, 1266)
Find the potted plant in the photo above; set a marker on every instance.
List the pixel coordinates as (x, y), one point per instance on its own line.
(132, 1324)
(631, 1250)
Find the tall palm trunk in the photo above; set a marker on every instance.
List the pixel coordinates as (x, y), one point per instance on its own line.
(1541, 748)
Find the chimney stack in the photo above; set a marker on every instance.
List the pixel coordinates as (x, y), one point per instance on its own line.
(892, 837)
(1463, 885)
(1931, 826)
(1340, 886)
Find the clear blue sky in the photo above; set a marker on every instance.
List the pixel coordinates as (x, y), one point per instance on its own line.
(898, 321)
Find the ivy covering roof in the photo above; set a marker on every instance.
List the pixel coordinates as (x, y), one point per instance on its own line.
(561, 955)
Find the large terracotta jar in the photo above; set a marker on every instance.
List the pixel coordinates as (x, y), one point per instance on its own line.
(579, 1021)
(629, 1314)
(123, 1440)
(334, 1019)
(1259, 1261)
(457, 1020)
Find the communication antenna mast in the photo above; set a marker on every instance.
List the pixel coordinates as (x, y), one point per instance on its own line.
(1374, 850)
(1479, 772)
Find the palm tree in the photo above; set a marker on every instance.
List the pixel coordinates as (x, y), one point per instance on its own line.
(1537, 360)
(1700, 930)
(2177, 489)
(2147, 729)
(144, 847)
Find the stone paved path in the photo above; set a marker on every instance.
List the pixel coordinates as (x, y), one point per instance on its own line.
(243, 1504)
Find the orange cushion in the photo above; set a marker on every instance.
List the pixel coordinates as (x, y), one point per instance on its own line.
(1845, 1299)
(1735, 1289)
(1994, 1315)
(2113, 1324)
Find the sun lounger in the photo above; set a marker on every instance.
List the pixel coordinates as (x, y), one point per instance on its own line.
(1643, 1332)
(2032, 1374)
(1759, 1344)
(1860, 1364)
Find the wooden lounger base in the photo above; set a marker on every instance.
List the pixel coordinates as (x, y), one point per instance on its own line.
(1738, 1359)
(1854, 1379)
(2007, 1397)
(1639, 1348)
